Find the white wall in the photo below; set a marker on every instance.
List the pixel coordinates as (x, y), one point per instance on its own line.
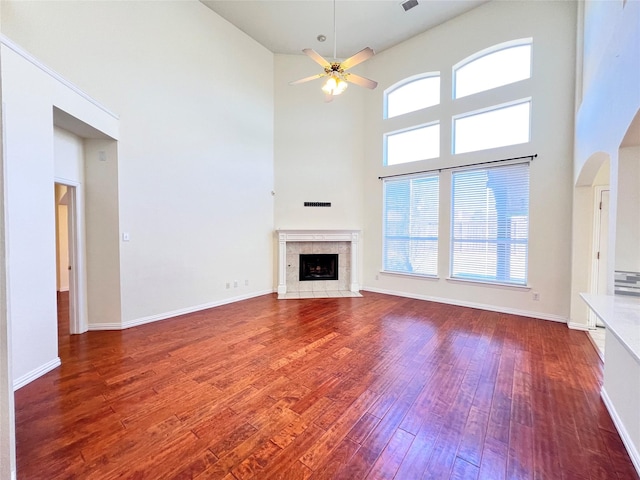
(29, 94)
(68, 157)
(610, 100)
(323, 141)
(29, 195)
(7, 414)
(628, 221)
(550, 24)
(102, 229)
(611, 97)
(195, 155)
(319, 150)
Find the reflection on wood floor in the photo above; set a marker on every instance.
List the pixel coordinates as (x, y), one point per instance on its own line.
(345, 388)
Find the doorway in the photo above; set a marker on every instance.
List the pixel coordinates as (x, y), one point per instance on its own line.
(600, 247)
(63, 266)
(68, 260)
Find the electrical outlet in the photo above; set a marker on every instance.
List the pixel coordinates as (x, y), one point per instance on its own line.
(235, 284)
(536, 296)
(377, 277)
(228, 285)
(246, 283)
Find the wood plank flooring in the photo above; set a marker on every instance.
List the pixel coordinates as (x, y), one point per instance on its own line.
(377, 387)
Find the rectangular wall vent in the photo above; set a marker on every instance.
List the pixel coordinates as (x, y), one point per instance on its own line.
(317, 204)
(409, 4)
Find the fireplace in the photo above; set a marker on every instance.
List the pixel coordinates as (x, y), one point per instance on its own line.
(318, 266)
(294, 243)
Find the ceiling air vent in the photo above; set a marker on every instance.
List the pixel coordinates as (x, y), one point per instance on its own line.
(409, 4)
(317, 204)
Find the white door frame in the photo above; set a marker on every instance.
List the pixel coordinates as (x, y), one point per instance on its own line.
(595, 262)
(78, 317)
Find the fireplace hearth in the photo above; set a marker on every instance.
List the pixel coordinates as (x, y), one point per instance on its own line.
(318, 266)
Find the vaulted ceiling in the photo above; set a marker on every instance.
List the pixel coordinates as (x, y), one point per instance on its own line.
(288, 26)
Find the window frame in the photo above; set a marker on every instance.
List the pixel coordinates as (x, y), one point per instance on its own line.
(434, 175)
(386, 135)
(452, 238)
(484, 53)
(492, 108)
(405, 82)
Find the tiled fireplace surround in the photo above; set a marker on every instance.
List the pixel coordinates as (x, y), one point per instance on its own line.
(292, 243)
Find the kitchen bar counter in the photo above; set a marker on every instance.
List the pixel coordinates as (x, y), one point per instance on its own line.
(621, 385)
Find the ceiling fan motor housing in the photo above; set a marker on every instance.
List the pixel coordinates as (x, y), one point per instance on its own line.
(336, 71)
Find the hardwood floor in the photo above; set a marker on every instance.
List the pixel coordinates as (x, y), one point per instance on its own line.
(344, 388)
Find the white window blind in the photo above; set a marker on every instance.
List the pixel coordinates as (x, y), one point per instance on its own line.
(490, 226)
(411, 225)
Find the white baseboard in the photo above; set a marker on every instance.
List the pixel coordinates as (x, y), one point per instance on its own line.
(624, 435)
(480, 306)
(595, 346)
(37, 373)
(578, 326)
(97, 327)
(175, 313)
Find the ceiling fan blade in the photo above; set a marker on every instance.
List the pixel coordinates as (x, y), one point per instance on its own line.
(308, 79)
(316, 57)
(328, 97)
(358, 80)
(359, 57)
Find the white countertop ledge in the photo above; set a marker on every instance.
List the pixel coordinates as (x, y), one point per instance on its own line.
(621, 316)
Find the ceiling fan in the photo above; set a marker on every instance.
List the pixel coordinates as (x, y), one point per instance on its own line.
(338, 77)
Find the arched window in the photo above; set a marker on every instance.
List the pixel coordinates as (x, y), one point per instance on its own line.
(411, 94)
(499, 65)
(489, 222)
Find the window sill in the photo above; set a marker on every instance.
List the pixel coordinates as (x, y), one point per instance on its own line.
(412, 275)
(489, 284)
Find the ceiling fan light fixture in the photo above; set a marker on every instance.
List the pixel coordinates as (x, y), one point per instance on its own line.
(338, 81)
(334, 86)
(341, 86)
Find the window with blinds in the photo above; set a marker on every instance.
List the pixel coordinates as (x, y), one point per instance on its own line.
(410, 226)
(490, 224)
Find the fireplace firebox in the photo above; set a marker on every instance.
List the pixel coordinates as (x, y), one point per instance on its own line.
(318, 267)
